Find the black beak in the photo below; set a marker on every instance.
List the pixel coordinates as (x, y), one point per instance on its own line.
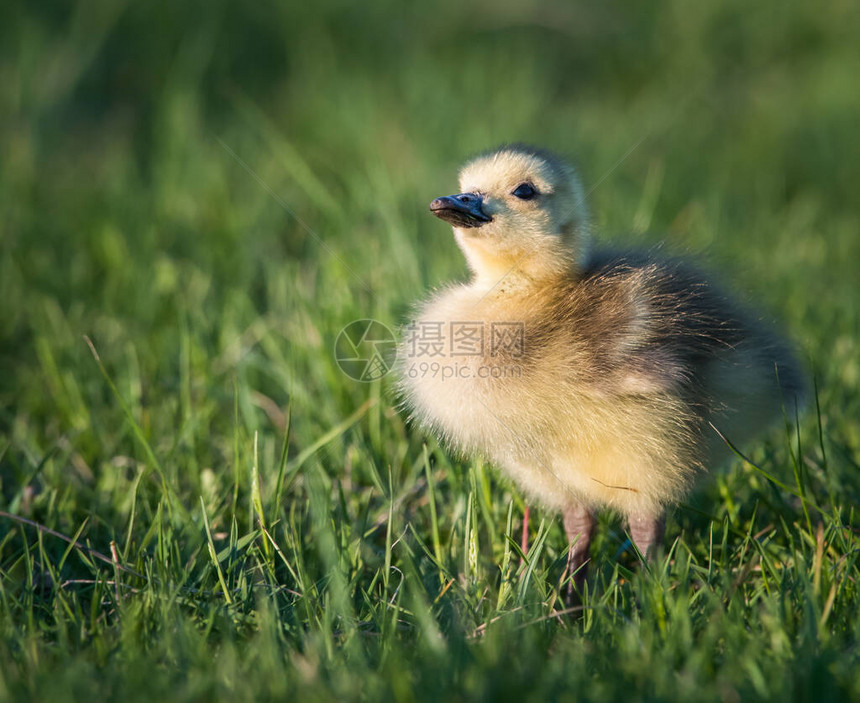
(463, 210)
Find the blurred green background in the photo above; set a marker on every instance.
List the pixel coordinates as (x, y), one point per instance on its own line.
(211, 191)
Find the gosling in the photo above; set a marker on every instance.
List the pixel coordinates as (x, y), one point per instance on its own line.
(592, 378)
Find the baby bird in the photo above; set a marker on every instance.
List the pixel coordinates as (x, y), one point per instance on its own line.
(593, 378)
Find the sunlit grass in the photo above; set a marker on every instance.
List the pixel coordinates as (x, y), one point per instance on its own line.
(197, 503)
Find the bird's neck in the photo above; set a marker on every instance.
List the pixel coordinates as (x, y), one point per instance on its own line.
(517, 271)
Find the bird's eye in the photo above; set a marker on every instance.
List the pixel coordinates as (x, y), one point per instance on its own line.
(524, 191)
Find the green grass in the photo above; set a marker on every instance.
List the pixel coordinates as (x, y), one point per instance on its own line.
(209, 194)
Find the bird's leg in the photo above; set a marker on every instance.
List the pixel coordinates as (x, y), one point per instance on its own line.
(579, 526)
(646, 532)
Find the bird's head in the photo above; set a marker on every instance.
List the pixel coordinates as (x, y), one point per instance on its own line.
(521, 213)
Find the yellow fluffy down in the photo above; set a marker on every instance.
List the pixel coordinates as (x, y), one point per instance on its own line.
(596, 376)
